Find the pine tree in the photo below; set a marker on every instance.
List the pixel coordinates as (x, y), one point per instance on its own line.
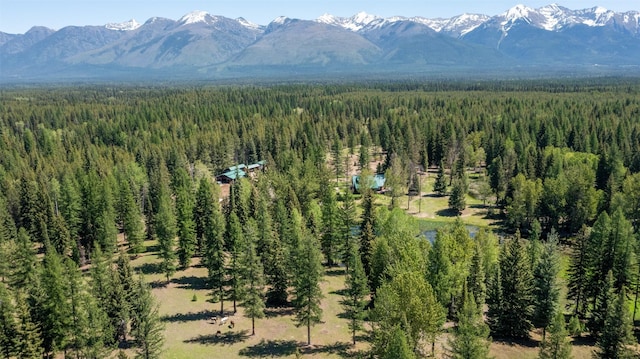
(24, 262)
(331, 227)
(236, 245)
(28, 338)
(184, 214)
(457, 199)
(440, 185)
(476, 281)
(306, 283)
(578, 272)
(557, 345)
(165, 226)
(131, 218)
(355, 293)
(617, 330)
(471, 335)
(252, 277)
(367, 231)
(347, 222)
(148, 328)
(514, 316)
(55, 306)
(213, 246)
(546, 292)
(203, 210)
(8, 326)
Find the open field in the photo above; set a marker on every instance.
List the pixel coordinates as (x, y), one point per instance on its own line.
(190, 332)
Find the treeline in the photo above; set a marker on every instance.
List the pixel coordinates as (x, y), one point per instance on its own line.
(78, 167)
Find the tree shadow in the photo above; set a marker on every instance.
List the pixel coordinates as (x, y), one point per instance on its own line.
(190, 282)
(448, 212)
(278, 311)
(228, 338)
(341, 292)
(152, 249)
(334, 272)
(158, 284)
(272, 348)
(339, 348)
(189, 317)
(149, 268)
(528, 342)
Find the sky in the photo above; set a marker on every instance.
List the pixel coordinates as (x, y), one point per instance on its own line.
(18, 16)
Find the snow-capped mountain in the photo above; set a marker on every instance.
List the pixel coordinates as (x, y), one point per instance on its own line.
(214, 45)
(556, 18)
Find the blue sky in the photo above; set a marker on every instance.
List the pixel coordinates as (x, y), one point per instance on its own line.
(18, 16)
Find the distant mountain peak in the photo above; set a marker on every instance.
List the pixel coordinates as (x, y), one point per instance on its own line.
(248, 24)
(124, 26)
(196, 17)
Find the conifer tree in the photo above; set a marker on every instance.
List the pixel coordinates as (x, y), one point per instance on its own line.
(203, 210)
(28, 340)
(440, 185)
(165, 226)
(236, 244)
(617, 330)
(8, 327)
(546, 292)
(213, 245)
(70, 205)
(557, 345)
(55, 305)
(476, 281)
(347, 222)
(252, 276)
(24, 261)
(131, 218)
(514, 315)
(184, 215)
(367, 231)
(355, 293)
(306, 283)
(471, 335)
(457, 199)
(331, 227)
(148, 328)
(578, 272)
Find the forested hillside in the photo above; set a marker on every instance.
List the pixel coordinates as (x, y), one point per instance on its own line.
(92, 178)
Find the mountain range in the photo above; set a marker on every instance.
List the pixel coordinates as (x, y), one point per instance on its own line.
(200, 45)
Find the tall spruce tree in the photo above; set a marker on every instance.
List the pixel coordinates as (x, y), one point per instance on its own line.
(546, 292)
(440, 185)
(617, 330)
(514, 318)
(55, 305)
(252, 276)
(147, 328)
(213, 245)
(236, 244)
(28, 340)
(355, 293)
(306, 283)
(165, 227)
(186, 226)
(8, 326)
(331, 227)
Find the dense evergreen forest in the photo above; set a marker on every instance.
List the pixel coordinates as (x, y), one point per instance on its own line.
(89, 175)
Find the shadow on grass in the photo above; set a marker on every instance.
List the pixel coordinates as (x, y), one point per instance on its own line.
(149, 268)
(153, 249)
(339, 348)
(448, 212)
(341, 292)
(278, 312)
(158, 284)
(529, 343)
(270, 348)
(191, 282)
(189, 317)
(228, 338)
(334, 272)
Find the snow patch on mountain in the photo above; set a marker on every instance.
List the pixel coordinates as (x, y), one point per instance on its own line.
(198, 16)
(248, 24)
(124, 26)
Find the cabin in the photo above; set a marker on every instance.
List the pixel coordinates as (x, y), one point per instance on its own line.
(240, 171)
(376, 183)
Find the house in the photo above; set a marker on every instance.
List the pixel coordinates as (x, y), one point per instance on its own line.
(240, 171)
(376, 183)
